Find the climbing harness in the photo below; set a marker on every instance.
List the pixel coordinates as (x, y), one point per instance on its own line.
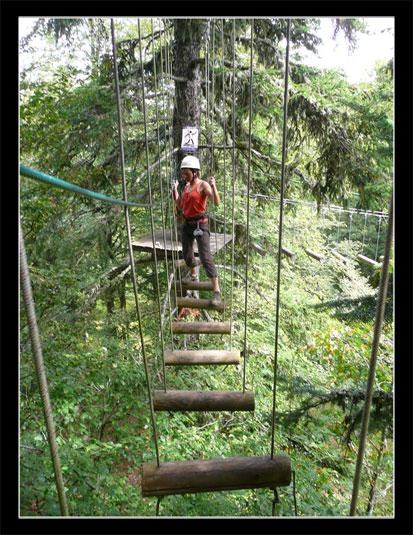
(198, 231)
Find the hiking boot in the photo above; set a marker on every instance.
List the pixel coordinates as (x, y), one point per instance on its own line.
(216, 299)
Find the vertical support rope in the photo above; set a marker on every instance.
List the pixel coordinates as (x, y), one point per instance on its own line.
(160, 182)
(168, 167)
(381, 303)
(225, 164)
(378, 239)
(248, 211)
(364, 230)
(233, 181)
(349, 231)
(280, 227)
(211, 125)
(148, 175)
(41, 374)
(338, 226)
(132, 263)
(174, 228)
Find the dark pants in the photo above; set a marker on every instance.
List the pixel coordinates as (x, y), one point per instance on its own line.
(204, 249)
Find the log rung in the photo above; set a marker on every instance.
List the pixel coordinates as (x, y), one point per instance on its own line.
(196, 400)
(201, 327)
(190, 302)
(368, 261)
(311, 253)
(234, 473)
(287, 252)
(201, 357)
(182, 264)
(197, 285)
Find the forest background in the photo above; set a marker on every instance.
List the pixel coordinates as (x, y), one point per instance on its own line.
(339, 176)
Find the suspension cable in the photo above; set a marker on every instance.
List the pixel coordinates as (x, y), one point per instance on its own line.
(233, 182)
(132, 263)
(212, 128)
(151, 210)
(378, 239)
(160, 182)
(280, 228)
(168, 164)
(248, 209)
(225, 165)
(173, 170)
(41, 374)
(381, 303)
(364, 230)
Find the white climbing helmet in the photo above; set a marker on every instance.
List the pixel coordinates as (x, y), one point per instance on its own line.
(190, 162)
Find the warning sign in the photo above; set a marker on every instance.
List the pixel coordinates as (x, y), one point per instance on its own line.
(189, 139)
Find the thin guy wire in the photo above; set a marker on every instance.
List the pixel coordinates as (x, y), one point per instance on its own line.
(381, 303)
(280, 227)
(132, 263)
(248, 211)
(151, 210)
(41, 375)
(233, 182)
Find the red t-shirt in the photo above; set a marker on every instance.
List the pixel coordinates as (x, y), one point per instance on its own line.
(193, 202)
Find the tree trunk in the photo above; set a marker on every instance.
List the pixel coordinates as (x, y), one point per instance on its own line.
(189, 36)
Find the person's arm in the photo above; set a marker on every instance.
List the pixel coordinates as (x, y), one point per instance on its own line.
(175, 194)
(210, 190)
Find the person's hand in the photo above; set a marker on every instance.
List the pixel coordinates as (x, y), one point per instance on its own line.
(211, 181)
(175, 186)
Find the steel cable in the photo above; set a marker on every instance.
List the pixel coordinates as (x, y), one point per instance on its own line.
(132, 263)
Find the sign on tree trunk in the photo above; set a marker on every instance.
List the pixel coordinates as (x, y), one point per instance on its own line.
(189, 139)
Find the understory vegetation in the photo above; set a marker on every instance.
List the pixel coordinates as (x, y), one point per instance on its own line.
(338, 173)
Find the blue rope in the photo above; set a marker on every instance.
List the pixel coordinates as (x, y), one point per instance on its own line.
(58, 182)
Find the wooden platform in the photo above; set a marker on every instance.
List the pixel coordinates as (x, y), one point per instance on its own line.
(201, 357)
(198, 400)
(182, 477)
(145, 243)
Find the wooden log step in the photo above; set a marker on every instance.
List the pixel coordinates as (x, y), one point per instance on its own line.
(368, 261)
(196, 285)
(201, 357)
(181, 263)
(234, 473)
(198, 400)
(201, 327)
(339, 256)
(287, 252)
(190, 302)
(311, 253)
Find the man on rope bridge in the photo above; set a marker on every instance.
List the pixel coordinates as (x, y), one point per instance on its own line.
(192, 203)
